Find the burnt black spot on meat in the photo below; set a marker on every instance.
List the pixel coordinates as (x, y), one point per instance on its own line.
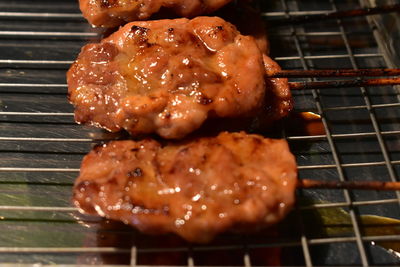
(108, 3)
(171, 30)
(205, 100)
(215, 31)
(139, 30)
(167, 115)
(140, 36)
(195, 39)
(134, 149)
(137, 172)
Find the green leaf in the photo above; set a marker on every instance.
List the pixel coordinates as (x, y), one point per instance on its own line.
(382, 226)
(333, 222)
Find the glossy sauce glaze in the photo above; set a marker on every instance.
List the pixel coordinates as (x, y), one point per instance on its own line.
(169, 76)
(195, 189)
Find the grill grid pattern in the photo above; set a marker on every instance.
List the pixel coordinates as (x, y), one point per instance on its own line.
(41, 147)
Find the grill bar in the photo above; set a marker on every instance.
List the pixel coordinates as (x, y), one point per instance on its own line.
(30, 85)
(303, 238)
(272, 243)
(47, 209)
(10, 113)
(37, 34)
(11, 169)
(348, 165)
(338, 56)
(66, 63)
(305, 207)
(300, 167)
(294, 138)
(303, 74)
(41, 15)
(388, 105)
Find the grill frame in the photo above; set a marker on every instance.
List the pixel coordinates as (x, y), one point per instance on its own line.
(296, 33)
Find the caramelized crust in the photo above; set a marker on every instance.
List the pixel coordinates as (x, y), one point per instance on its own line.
(169, 76)
(112, 13)
(196, 189)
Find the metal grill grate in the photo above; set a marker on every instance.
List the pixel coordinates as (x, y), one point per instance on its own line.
(41, 148)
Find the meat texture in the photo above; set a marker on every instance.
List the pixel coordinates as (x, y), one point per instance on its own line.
(195, 189)
(169, 76)
(112, 13)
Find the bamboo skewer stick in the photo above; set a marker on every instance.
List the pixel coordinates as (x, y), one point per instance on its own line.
(338, 15)
(343, 83)
(361, 81)
(335, 73)
(359, 185)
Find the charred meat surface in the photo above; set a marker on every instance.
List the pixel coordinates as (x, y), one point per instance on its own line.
(195, 189)
(112, 13)
(169, 76)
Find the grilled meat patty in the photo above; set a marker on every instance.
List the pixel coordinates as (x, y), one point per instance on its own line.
(111, 13)
(169, 76)
(195, 189)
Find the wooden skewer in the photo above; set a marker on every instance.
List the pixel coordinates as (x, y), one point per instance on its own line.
(343, 83)
(335, 73)
(338, 73)
(338, 15)
(360, 185)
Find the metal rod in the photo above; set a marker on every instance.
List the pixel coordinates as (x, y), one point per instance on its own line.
(335, 73)
(343, 83)
(360, 185)
(337, 15)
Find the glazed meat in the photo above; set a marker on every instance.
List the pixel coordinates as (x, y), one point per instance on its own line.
(111, 13)
(169, 76)
(195, 189)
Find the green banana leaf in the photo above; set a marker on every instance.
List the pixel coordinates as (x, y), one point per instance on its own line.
(333, 222)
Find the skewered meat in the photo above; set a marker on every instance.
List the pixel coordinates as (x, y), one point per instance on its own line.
(169, 76)
(111, 13)
(195, 189)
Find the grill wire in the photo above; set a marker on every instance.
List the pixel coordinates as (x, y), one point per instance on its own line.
(41, 147)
